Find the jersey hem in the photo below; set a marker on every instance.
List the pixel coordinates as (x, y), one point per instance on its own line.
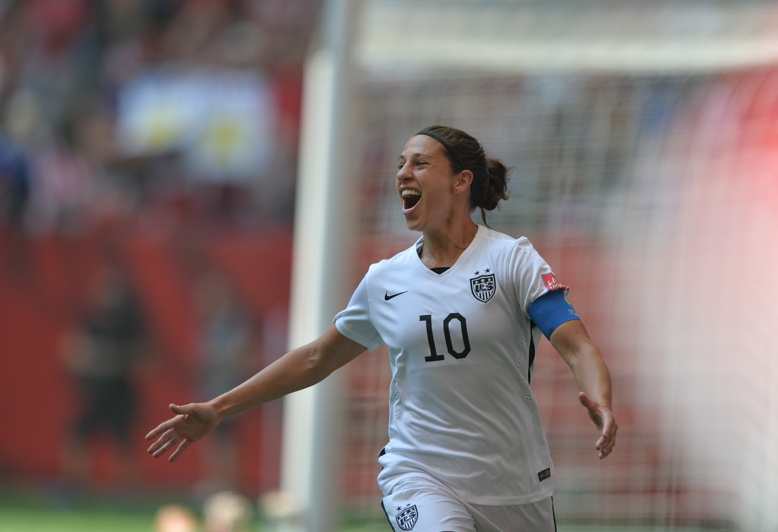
(398, 485)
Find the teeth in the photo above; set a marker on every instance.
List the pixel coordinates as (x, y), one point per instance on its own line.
(409, 192)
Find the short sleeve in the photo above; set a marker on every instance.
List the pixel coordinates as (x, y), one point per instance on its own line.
(354, 321)
(532, 277)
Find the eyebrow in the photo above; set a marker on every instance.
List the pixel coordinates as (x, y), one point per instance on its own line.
(414, 154)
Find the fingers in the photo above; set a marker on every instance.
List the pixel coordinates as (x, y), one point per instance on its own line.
(160, 429)
(168, 434)
(166, 425)
(192, 422)
(608, 439)
(168, 441)
(163, 443)
(180, 410)
(604, 419)
(183, 446)
(605, 445)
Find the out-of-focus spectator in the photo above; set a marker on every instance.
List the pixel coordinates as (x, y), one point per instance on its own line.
(65, 184)
(68, 71)
(14, 183)
(227, 511)
(225, 345)
(175, 518)
(15, 186)
(103, 352)
(200, 98)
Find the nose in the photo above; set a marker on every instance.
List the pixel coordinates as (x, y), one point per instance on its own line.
(404, 172)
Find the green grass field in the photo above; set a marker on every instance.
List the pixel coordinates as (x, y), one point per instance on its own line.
(44, 520)
(31, 519)
(47, 520)
(23, 509)
(53, 511)
(36, 509)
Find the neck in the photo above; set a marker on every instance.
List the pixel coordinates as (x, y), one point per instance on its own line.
(444, 248)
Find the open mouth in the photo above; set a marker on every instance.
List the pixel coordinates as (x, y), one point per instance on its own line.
(410, 199)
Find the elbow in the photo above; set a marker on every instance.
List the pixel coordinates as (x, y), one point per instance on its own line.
(582, 355)
(313, 369)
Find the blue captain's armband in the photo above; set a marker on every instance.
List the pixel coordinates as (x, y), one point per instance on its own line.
(551, 310)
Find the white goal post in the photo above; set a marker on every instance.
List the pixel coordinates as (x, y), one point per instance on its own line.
(312, 417)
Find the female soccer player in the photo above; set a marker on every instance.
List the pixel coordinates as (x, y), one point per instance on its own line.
(461, 312)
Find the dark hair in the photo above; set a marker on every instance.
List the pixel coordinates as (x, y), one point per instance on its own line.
(490, 176)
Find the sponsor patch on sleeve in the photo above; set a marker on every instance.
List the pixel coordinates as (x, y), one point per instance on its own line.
(552, 283)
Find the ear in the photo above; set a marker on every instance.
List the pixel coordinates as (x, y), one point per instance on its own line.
(462, 181)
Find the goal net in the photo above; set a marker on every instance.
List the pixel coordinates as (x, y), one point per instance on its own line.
(643, 139)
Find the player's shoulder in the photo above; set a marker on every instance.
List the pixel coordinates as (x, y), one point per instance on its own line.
(501, 241)
(400, 259)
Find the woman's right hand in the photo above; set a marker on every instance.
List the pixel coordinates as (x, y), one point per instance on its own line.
(191, 423)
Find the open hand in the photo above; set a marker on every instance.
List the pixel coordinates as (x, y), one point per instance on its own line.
(192, 422)
(606, 422)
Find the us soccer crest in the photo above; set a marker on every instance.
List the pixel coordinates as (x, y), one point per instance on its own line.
(406, 518)
(483, 287)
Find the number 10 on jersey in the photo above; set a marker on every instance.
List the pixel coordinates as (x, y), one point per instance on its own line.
(454, 316)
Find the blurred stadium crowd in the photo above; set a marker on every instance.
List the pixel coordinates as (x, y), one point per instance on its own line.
(116, 109)
(153, 143)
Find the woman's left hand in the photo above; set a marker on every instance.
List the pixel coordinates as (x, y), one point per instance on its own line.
(606, 422)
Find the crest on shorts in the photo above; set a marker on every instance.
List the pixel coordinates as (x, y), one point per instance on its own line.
(406, 517)
(483, 287)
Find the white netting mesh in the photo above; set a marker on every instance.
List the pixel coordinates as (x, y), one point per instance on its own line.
(654, 194)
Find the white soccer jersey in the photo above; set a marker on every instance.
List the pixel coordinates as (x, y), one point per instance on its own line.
(461, 348)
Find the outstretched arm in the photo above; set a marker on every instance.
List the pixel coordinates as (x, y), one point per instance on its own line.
(298, 369)
(572, 341)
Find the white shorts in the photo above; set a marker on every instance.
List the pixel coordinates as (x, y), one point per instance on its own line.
(422, 505)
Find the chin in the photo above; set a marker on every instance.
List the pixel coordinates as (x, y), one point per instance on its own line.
(413, 225)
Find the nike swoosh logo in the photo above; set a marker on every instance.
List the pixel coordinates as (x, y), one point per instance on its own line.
(387, 297)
